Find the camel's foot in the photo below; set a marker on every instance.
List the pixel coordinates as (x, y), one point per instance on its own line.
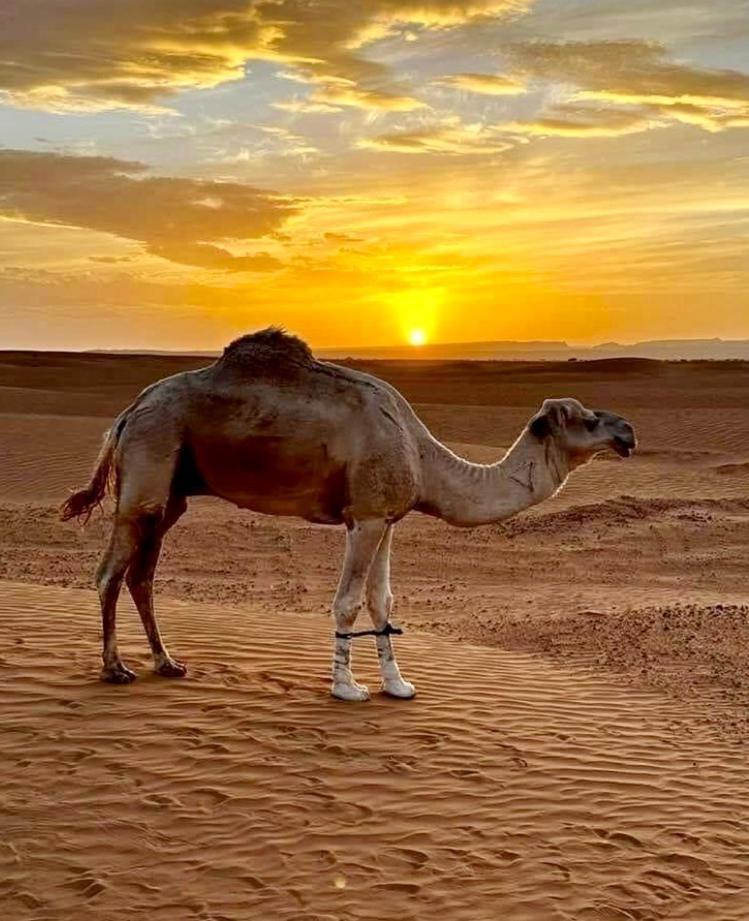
(399, 687)
(117, 673)
(170, 668)
(349, 690)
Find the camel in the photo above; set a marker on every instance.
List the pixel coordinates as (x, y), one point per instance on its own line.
(271, 429)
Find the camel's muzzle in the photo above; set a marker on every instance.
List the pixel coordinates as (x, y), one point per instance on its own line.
(623, 448)
(624, 441)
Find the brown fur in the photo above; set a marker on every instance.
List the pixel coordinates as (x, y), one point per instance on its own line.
(269, 349)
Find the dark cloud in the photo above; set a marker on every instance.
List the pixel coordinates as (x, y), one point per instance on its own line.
(178, 219)
(97, 54)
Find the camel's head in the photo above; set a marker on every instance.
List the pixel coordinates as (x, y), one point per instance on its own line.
(582, 432)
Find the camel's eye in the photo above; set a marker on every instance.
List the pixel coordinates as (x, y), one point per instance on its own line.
(591, 424)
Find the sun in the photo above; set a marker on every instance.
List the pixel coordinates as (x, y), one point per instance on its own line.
(417, 337)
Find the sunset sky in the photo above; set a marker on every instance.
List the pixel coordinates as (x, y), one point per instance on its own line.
(175, 173)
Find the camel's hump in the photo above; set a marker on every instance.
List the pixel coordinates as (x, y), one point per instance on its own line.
(269, 348)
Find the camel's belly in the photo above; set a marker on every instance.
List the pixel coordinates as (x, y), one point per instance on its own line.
(275, 476)
(311, 508)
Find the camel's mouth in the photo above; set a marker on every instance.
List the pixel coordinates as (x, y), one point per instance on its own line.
(623, 446)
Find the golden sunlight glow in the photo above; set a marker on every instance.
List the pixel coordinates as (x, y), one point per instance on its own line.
(415, 313)
(395, 184)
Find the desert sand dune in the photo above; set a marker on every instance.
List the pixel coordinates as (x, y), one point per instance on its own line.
(577, 750)
(510, 788)
(40, 453)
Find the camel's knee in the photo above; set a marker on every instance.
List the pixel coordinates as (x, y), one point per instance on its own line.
(108, 577)
(123, 545)
(147, 536)
(148, 523)
(380, 604)
(138, 582)
(345, 612)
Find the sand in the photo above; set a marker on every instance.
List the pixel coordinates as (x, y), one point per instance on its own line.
(578, 745)
(510, 788)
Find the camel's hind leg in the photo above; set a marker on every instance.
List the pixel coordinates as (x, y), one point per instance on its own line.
(146, 458)
(123, 544)
(380, 604)
(139, 579)
(363, 539)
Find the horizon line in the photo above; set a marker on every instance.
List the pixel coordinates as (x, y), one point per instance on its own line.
(401, 346)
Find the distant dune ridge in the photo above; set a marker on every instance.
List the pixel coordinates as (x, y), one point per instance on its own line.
(537, 350)
(663, 349)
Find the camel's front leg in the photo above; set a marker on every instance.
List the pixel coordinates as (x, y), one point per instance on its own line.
(380, 603)
(362, 540)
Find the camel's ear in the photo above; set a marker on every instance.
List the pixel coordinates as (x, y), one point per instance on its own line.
(551, 418)
(540, 426)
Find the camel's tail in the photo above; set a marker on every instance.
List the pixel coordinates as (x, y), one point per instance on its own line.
(82, 503)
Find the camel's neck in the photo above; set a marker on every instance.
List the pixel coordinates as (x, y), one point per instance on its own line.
(468, 494)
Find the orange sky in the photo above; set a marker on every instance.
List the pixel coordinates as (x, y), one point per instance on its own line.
(174, 174)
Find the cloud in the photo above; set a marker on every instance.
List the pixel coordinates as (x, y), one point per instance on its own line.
(213, 257)
(177, 219)
(98, 54)
(485, 84)
(452, 138)
(711, 118)
(305, 107)
(337, 95)
(583, 121)
(630, 71)
(343, 238)
(639, 73)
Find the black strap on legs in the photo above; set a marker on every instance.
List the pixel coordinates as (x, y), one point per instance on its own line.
(387, 630)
